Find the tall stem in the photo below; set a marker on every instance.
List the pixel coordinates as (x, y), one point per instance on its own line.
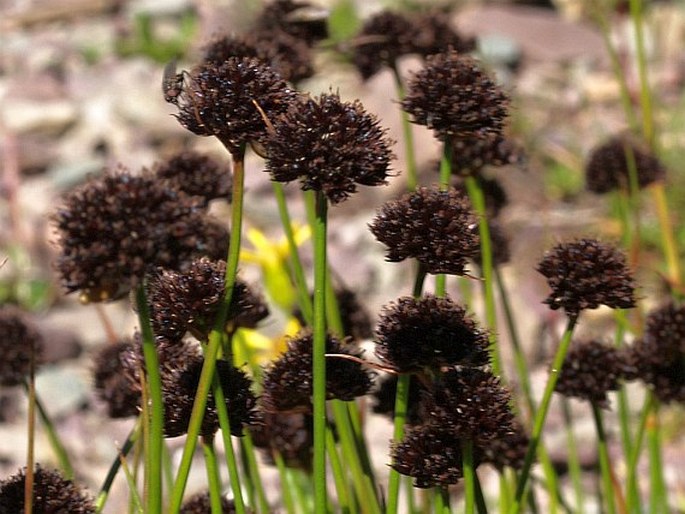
(215, 336)
(319, 351)
(604, 462)
(412, 175)
(31, 428)
(541, 414)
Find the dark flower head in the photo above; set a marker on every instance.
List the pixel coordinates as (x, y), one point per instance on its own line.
(20, 342)
(330, 146)
(434, 35)
(452, 96)
(665, 333)
(288, 380)
(189, 301)
(52, 493)
(384, 38)
(384, 397)
(432, 332)
(499, 244)
(197, 175)
(229, 100)
(509, 450)
(431, 455)
(116, 384)
(471, 155)
(591, 369)
(302, 20)
(118, 226)
(435, 227)
(289, 56)
(288, 433)
(666, 378)
(585, 274)
(200, 503)
(608, 167)
(472, 403)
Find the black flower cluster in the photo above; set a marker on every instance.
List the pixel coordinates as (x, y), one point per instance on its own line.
(115, 382)
(430, 332)
(608, 166)
(115, 228)
(288, 380)
(592, 369)
(20, 343)
(200, 503)
(230, 99)
(453, 97)
(435, 34)
(508, 451)
(302, 20)
(438, 228)
(659, 357)
(471, 155)
(585, 274)
(189, 301)
(291, 434)
(330, 146)
(52, 493)
(385, 395)
(197, 174)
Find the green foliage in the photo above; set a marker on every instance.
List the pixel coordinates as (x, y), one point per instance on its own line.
(21, 283)
(343, 22)
(146, 41)
(562, 182)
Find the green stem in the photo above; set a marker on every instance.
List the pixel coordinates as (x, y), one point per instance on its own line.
(31, 435)
(153, 495)
(399, 420)
(410, 164)
(481, 506)
(658, 503)
(338, 475)
(645, 95)
(253, 469)
(319, 351)
(541, 414)
(286, 484)
(604, 462)
(573, 460)
(213, 474)
(215, 336)
(133, 435)
(469, 477)
(633, 495)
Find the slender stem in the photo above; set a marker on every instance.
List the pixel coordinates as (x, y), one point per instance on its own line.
(213, 474)
(319, 351)
(133, 435)
(469, 477)
(410, 164)
(215, 336)
(668, 242)
(399, 420)
(645, 94)
(153, 496)
(541, 414)
(135, 502)
(633, 495)
(338, 474)
(481, 506)
(286, 484)
(573, 460)
(55, 441)
(31, 429)
(658, 494)
(253, 467)
(604, 461)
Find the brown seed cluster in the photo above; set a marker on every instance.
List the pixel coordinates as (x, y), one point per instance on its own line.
(471, 155)
(197, 174)
(585, 274)
(508, 451)
(288, 381)
(437, 228)
(430, 332)
(229, 100)
(608, 166)
(330, 146)
(116, 227)
(592, 369)
(291, 434)
(189, 301)
(52, 493)
(453, 97)
(200, 503)
(20, 342)
(116, 384)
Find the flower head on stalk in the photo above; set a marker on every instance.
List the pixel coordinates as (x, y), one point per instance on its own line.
(197, 174)
(230, 100)
(585, 274)
(20, 343)
(329, 146)
(452, 96)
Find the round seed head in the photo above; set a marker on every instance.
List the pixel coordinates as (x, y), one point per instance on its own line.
(509, 450)
(20, 342)
(434, 34)
(288, 433)
(453, 97)
(329, 146)
(189, 301)
(665, 333)
(197, 175)
(288, 380)
(437, 228)
(116, 384)
(52, 493)
(229, 100)
(118, 226)
(666, 378)
(384, 38)
(608, 166)
(429, 332)
(200, 503)
(591, 369)
(585, 274)
(384, 397)
(471, 155)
